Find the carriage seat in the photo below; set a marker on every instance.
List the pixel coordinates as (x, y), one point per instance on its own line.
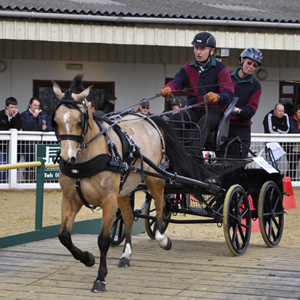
(217, 137)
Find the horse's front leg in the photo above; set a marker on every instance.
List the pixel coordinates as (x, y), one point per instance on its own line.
(156, 187)
(69, 212)
(109, 212)
(127, 215)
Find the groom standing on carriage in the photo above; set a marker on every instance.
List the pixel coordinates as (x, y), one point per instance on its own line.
(205, 79)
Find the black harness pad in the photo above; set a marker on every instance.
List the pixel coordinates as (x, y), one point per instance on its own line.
(89, 168)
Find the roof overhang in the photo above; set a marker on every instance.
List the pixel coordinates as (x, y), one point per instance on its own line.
(170, 32)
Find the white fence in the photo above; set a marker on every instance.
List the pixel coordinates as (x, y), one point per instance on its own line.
(19, 146)
(289, 163)
(16, 146)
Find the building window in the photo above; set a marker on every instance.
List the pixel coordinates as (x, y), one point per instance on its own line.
(290, 95)
(43, 90)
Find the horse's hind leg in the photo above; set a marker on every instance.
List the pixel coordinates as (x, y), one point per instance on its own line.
(127, 215)
(69, 211)
(156, 187)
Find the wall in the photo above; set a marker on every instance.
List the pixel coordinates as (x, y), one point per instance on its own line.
(133, 81)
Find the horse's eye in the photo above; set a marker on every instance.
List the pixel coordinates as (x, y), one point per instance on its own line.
(79, 124)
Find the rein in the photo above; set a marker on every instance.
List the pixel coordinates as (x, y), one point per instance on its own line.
(204, 86)
(175, 91)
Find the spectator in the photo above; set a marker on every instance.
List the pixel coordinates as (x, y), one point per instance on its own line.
(276, 121)
(9, 118)
(34, 119)
(96, 112)
(144, 107)
(109, 103)
(248, 90)
(175, 104)
(204, 77)
(294, 154)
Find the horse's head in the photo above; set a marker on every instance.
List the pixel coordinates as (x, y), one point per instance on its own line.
(71, 119)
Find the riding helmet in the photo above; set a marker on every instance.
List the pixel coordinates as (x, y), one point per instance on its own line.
(252, 53)
(204, 39)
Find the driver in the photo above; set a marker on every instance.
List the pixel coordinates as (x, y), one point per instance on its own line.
(204, 76)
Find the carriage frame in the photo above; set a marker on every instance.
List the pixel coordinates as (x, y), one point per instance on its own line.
(232, 204)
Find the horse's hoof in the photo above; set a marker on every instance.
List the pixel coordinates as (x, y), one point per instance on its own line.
(98, 287)
(169, 245)
(124, 262)
(91, 260)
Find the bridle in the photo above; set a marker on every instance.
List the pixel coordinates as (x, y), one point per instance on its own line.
(81, 106)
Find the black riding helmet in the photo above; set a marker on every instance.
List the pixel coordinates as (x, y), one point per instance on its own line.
(253, 54)
(204, 39)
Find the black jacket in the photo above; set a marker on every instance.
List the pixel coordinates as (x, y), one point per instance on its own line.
(15, 122)
(273, 124)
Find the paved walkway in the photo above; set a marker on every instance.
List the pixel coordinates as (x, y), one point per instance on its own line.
(190, 270)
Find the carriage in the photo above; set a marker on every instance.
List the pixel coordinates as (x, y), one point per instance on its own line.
(104, 162)
(252, 194)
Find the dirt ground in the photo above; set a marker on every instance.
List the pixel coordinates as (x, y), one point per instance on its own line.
(18, 215)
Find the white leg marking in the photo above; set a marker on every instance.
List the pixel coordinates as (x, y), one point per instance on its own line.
(127, 253)
(161, 238)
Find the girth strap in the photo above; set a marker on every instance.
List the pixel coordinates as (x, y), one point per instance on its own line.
(78, 189)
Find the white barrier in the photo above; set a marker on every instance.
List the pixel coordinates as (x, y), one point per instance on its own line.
(19, 145)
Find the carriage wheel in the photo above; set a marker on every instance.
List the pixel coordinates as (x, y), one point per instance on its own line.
(237, 220)
(270, 213)
(150, 210)
(117, 233)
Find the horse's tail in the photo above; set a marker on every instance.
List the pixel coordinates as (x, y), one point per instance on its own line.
(180, 161)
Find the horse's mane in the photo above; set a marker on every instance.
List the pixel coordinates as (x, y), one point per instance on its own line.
(76, 85)
(180, 161)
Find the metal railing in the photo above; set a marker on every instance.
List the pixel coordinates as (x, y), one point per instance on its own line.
(20, 146)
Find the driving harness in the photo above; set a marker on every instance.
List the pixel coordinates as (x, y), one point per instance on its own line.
(111, 161)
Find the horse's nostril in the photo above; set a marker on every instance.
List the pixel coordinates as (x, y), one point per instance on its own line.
(71, 161)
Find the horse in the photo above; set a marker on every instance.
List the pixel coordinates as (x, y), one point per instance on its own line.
(101, 162)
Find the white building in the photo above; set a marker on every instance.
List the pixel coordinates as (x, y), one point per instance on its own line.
(130, 47)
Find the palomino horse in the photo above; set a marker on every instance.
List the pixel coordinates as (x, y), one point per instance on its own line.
(96, 167)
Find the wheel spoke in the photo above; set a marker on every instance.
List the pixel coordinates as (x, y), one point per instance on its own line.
(242, 234)
(121, 224)
(270, 228)
(151, 222)
(113, 232)
(236, 239)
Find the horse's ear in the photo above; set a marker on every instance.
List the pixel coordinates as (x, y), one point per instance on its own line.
(83, 94)
(57, 91)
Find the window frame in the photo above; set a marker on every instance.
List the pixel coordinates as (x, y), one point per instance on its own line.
(48, 105)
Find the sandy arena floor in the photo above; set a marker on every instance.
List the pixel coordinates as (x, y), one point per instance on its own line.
(18, 207)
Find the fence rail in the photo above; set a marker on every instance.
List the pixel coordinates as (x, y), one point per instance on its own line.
(20, 146)
(44, 232)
